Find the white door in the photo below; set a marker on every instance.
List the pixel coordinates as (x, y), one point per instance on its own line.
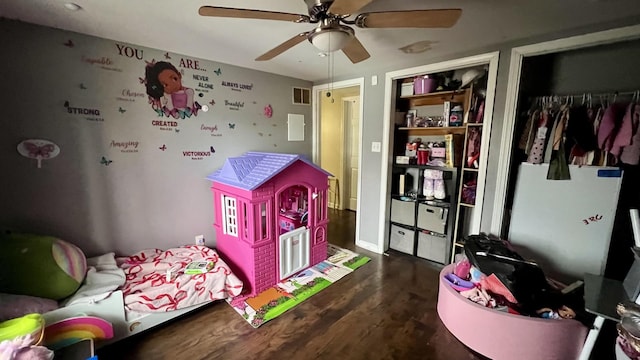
(352, 147)
(294, 252)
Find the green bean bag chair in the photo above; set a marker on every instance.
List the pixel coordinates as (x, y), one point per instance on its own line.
(42, 266)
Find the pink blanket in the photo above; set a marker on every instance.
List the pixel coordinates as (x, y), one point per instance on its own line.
(147, 289)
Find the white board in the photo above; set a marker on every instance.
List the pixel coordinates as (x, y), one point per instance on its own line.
(565, 225)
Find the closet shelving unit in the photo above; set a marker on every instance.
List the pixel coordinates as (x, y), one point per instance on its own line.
(416, 224)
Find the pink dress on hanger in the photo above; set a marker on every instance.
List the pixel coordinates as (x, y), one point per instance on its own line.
(631, 153)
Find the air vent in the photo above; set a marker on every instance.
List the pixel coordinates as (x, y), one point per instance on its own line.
(301, 96)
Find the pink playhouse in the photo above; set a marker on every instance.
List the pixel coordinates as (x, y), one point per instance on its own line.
(270, 216)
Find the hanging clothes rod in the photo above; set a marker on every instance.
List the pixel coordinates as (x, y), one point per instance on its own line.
(589, 97)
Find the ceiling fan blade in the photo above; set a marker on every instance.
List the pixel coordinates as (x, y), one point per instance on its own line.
(250, 14)
(283, 47)
(437, 18)
(355, 51)
(344, 7)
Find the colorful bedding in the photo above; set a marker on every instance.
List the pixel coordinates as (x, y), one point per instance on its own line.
(147, 288)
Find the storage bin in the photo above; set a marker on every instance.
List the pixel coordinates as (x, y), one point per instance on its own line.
(432, 218)
(403, 212)
(424, 85)
(402, 239)
(432, 247)
(406, 89)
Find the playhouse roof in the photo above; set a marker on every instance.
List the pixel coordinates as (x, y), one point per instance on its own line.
(253, 169)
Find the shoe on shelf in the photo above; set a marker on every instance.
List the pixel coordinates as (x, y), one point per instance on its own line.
(439, 191)
(427, 188)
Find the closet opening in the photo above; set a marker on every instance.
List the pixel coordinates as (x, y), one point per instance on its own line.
(576, 144)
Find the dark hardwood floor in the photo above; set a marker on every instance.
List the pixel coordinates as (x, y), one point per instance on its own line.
(384, 310)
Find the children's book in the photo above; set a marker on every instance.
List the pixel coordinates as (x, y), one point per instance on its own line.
(198, 267)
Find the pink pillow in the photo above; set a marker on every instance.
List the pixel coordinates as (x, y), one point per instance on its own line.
(14, 306)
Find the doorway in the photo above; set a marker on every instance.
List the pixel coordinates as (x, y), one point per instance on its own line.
(337, 142)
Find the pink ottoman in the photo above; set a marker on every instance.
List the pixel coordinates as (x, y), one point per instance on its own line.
(502, 336)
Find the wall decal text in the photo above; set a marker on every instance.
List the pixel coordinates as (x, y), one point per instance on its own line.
(234, 105)
(213, 130)
(190, 64)
(164, 125)
(93, 113)
(125, 146)
(130, 52)
(196, 155)
(203, 83)
(236, 86)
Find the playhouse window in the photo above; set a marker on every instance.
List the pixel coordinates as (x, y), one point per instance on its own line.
(230, 216)
(263, 221)
(245, 228)
(321, 206)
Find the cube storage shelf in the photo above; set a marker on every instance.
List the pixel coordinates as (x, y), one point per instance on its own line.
(422, 227)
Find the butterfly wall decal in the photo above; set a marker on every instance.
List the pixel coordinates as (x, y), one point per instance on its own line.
(38, 149)
(150, 63)
(212, 149)
(104, 161)
(163, 147)
(218, 72)
(69, 43)
(212, 102)
(166, 55)
(142, 81)
(122, 111)
(232, 126)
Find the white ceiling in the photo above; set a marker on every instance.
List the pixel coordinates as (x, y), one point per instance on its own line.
(175, 26)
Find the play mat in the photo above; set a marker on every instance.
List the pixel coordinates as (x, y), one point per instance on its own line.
(287, 294)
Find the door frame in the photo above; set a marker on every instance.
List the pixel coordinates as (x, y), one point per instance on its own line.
(344, 201)
(316, 133)
(513, 90)
(490, 59)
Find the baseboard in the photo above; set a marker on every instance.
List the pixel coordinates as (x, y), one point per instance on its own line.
(368, 246)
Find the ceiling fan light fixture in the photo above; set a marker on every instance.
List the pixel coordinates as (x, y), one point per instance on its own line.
(330, 39)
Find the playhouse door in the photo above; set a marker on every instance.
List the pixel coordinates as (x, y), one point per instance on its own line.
(294, 251)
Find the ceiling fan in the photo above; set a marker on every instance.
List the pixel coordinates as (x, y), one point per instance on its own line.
(330, 34)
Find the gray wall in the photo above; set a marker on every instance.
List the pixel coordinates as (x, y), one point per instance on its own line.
(605, 68)
(374, 115)
(145, 197)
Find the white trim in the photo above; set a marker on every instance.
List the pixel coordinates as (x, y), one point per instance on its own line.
(511, 103)
(389, 103)
(368, 246)
(316, 133)
(489, 102)
(344, 201)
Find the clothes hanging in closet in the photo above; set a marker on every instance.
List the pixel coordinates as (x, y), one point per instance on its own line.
(561, 133)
